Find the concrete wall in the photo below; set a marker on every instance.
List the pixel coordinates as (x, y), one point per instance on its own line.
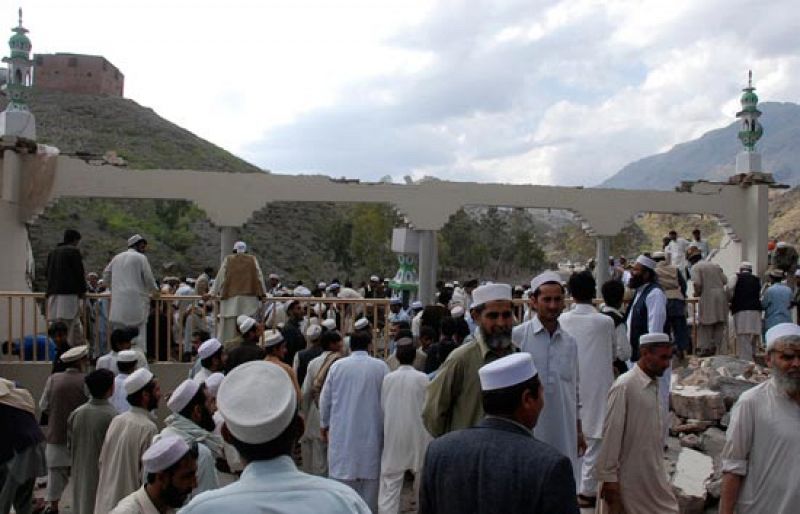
(74, 73)
(33, 375)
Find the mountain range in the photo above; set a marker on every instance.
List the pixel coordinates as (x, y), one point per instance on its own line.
(712, 156)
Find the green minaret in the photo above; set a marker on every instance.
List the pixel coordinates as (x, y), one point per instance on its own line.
(751, 130)
(17, 120)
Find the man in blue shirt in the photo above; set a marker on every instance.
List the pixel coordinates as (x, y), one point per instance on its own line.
(777, 301)
(264, 428)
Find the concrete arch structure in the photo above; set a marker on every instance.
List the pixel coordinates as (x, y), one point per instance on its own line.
(31, 182)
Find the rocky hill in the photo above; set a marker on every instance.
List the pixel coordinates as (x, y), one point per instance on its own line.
(712, 156)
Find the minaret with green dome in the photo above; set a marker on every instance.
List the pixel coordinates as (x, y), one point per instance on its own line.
(750, 131)
(17, 120)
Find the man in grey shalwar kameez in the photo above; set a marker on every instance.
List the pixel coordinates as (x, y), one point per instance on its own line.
(86, 430)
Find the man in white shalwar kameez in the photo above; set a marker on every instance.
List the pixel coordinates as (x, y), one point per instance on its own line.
(555, 355)
(128, 437)
(351, 419)
(130, 280)
(314, 449)
(405, 437)
(595, 336)
(240, 286)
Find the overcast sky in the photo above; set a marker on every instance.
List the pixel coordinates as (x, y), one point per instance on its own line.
(530, 91)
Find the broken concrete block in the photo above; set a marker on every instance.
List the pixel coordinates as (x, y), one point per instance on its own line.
(730, 366)
(730, 388)
(692, 471)
(690, 441)
(696, 376)
(712, 441)
(694, 402)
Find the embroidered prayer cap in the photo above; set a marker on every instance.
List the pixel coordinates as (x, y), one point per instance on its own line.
(507, 371)
(274, 276)
(182, 395)
(490, 293)
(653, 338)
(780, 331)
(313, 332)
(74, 354)
(272, 338)
(127, 356)
(212, 383)
(659, 255)
(245, 323)
(374, 278)
(240, 247)
(646, 261)
(257, 418)
(782, 244)
(746, 265)
(417, 305)
(457, 311)
(333, 287)
(208, 348)
(449, 285)
(361, 324)
(544, 278)
(164, 453)
(396, 301)
(330, 324)
(137, 380)
(322, 285)
(135, 239)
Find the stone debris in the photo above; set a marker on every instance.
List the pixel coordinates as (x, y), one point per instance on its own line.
(701, 397)
(692, 471)
(696, 402)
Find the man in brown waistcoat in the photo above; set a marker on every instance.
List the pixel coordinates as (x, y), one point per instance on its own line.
(63, 393)
(240, 286)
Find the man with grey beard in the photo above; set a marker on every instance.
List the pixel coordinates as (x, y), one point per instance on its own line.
(453, 399)
(759, 461)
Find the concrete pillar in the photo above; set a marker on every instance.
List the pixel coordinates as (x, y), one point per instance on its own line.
(603, 247)
(754, 241)
(428, 265)
(227, 236)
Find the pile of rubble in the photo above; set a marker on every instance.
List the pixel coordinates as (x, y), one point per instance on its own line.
(701, 398)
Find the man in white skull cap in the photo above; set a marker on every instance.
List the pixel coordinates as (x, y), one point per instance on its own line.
(129, 278)
(263, 429)
(240, 286)
(555, 354)
(127, 438)
(169, 466)
(759, 460)
(499, 465)
(647, 314)
(211, 356)
(193, 421)
(453, 400)
(630, 466)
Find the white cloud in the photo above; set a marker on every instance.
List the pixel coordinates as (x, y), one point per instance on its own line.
(516, 91)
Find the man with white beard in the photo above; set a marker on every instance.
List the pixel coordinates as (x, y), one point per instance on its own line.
(759, 461)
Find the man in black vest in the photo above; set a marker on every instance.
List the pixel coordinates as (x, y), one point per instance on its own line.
(745, 300)
(66, 285)
(647, 314)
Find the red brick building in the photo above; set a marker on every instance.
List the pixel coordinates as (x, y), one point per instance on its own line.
(75, 73)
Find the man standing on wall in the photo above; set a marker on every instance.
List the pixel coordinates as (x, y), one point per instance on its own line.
(66, 285)
(131, 282)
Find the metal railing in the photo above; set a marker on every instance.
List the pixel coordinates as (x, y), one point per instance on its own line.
(171, 324)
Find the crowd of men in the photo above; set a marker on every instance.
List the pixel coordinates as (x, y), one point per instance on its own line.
(549, 410)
